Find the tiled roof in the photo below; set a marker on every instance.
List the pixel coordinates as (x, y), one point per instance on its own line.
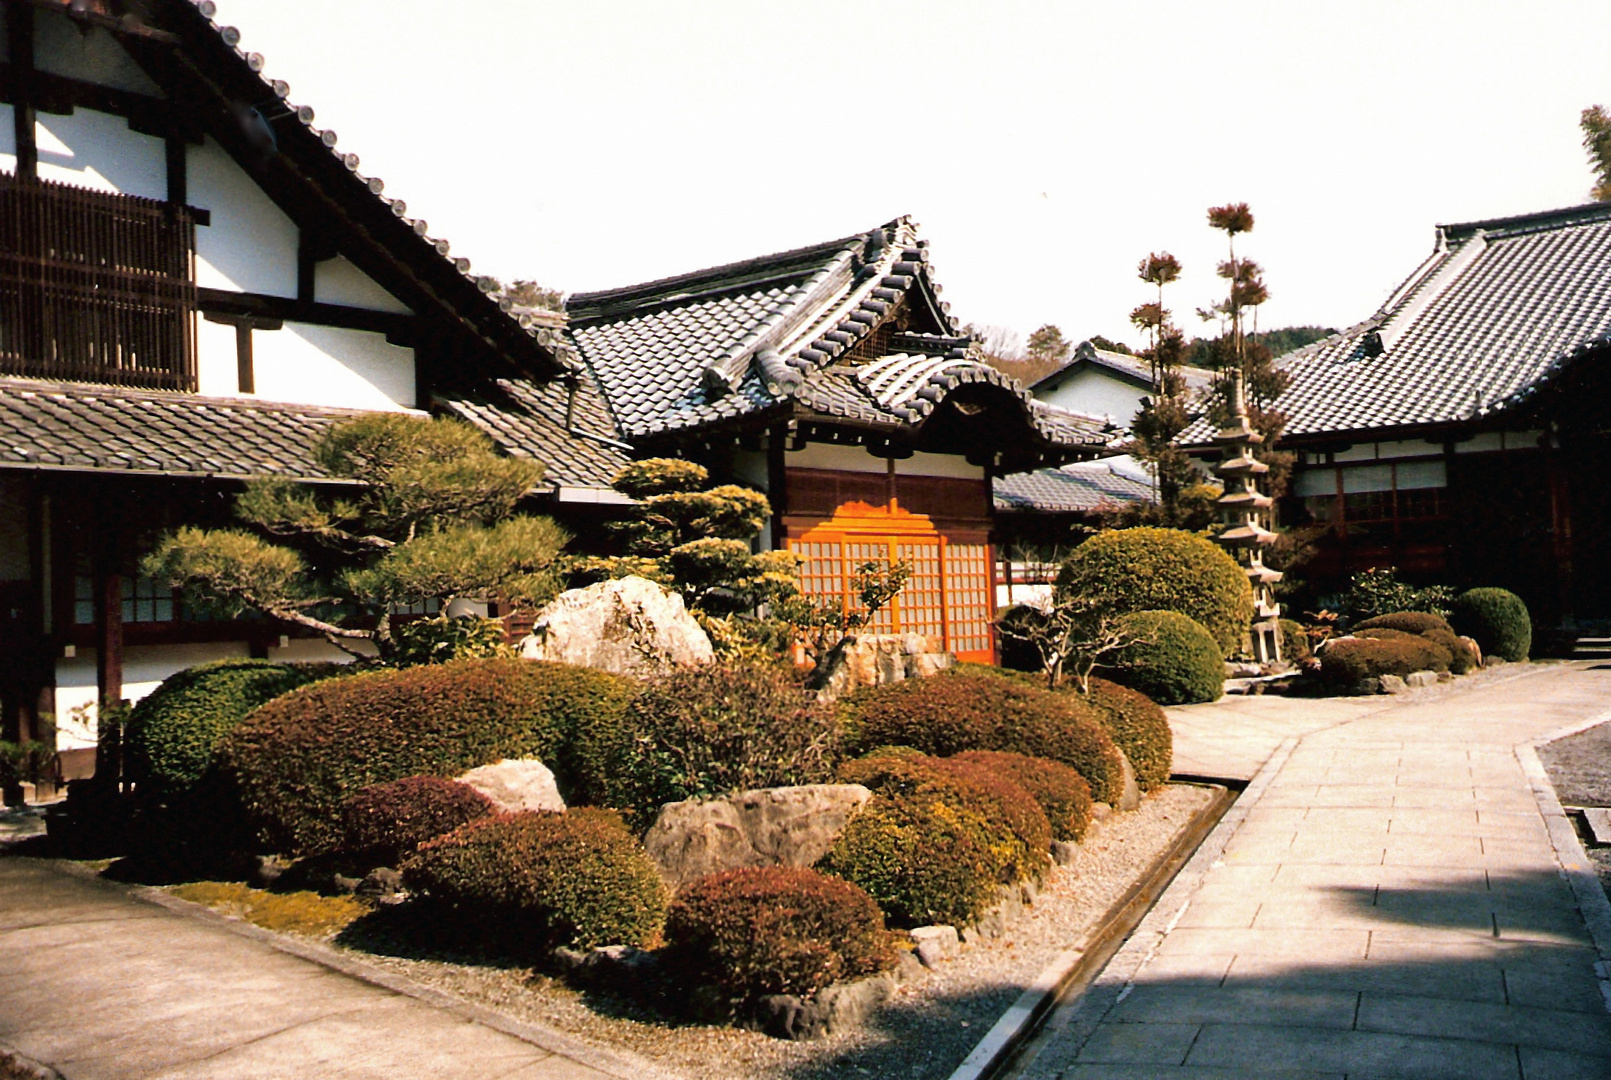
(1134, 368)
(778, 334)
(1498, 308)
(573, 438)
(102, 429)
(1073, 488)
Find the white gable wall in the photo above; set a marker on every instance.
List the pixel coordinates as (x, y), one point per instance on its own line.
(1095, 391)
(337, 281)
(251, 245)
(321, 365)
(96, 150)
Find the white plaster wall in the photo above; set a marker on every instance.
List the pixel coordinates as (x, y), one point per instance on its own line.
(314, 651)
(318, 365)
(858, 459)
(8, 131)
(251, 245)
(97, 150)
(1092, 391)
(337, 281)
(63, 48)
(217, 369)
(144, 668)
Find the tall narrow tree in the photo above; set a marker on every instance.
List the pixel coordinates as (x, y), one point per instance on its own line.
(1596, 125)
(1163, 415)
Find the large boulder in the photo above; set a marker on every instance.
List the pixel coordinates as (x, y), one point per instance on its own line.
(876, 659)
(629, 626)
(514, 785)
(787, 826)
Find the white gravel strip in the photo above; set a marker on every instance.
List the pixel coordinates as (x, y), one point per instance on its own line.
(926, 1029)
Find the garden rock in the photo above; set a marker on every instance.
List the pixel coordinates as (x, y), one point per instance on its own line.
(629, 626)
(382, 884)
(514, 785)
(875, 660)
(935, 943)
(1392, 684)
(1064, 852)
(834, 1008)
(1473, 651)
(1366, 686)
(1417, 679)
(788, 826)
(1130, 790)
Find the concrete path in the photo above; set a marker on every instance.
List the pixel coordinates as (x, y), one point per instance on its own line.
(1385, 900)
(98, 983)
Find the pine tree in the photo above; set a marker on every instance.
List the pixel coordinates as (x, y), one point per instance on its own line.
(1163, 414)
(1596, 125)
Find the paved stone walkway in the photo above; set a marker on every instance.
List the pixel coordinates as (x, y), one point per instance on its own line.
(1384, 901)
(96, 983)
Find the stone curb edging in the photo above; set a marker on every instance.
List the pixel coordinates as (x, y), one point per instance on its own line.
(1574, 862)
(619, 1063)
(1112, 985)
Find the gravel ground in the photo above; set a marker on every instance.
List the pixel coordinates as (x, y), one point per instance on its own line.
(1580, 768)
(924, 1031)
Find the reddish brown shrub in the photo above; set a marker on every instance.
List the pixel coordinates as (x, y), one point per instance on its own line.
(774, 930)
(1139, 727)
(1346, 661)
(388, 821)
(1411, 622)
(1062, 793)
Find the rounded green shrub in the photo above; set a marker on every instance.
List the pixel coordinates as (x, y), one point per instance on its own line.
(966, 709)
(1173, 661)
(175, 731)
(1411, 622)
(720, 728)
(969, 784)
(1294, 641)
(299, 758)
(922, 858)
(774, 930)
(1148, 569)
(530, 881)
(1140, 729)
(1346, 661)
(1062, 794)
(385, 822)
(1463, 657)
(1497, 620)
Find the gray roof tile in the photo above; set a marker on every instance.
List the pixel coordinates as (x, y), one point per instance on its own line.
(1072, 489)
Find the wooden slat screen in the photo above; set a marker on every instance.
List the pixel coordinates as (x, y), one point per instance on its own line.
(96, 287)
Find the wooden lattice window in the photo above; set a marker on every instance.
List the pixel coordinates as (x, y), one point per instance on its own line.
(949, 597)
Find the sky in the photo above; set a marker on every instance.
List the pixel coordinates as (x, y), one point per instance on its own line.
(1043, 147)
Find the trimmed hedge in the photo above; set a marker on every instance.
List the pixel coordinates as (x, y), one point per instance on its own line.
(1175, 663)
(527, 882)
(1497, 620)
(1062, 794)
(1463, 659)
(388, 821)
(1411, 622)
(1437, 661)
(967, 709)
(1346, 661)
(774, 930)
(976, 786)
(1148, 569)
(923, 859)
(1139, 727)
(300, 757)
(720, 728)
(175, 731)
(1294, 641)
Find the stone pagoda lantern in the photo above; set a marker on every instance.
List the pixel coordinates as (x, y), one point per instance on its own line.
(1244, 507)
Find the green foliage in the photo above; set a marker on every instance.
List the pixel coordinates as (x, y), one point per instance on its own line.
(386, 822)
(1174, 660)
(430, 518)
(25, 762)
(1062, 794)
(1379, 592)
(1438, 661)
(175, 732)
(1596, 126)
(1294, 641)
(1022, 849)
(1139, 728)
(1410, 622)
(968, 709)
(530, 881)
(1346, 661)
(721, 728)
(441, 639)
(774, 930)
(923, 859)
(299, 758)
(660, 476)
(1497, 620)
(1464, 658)
(1047, 343)
(1146, 569)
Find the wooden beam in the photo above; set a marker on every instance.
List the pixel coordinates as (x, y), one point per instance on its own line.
(19, 84)
(221, 305)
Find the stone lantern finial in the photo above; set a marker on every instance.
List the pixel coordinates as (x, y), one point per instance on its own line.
(1246, 510)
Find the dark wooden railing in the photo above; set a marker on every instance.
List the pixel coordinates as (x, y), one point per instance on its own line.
(96, 287)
